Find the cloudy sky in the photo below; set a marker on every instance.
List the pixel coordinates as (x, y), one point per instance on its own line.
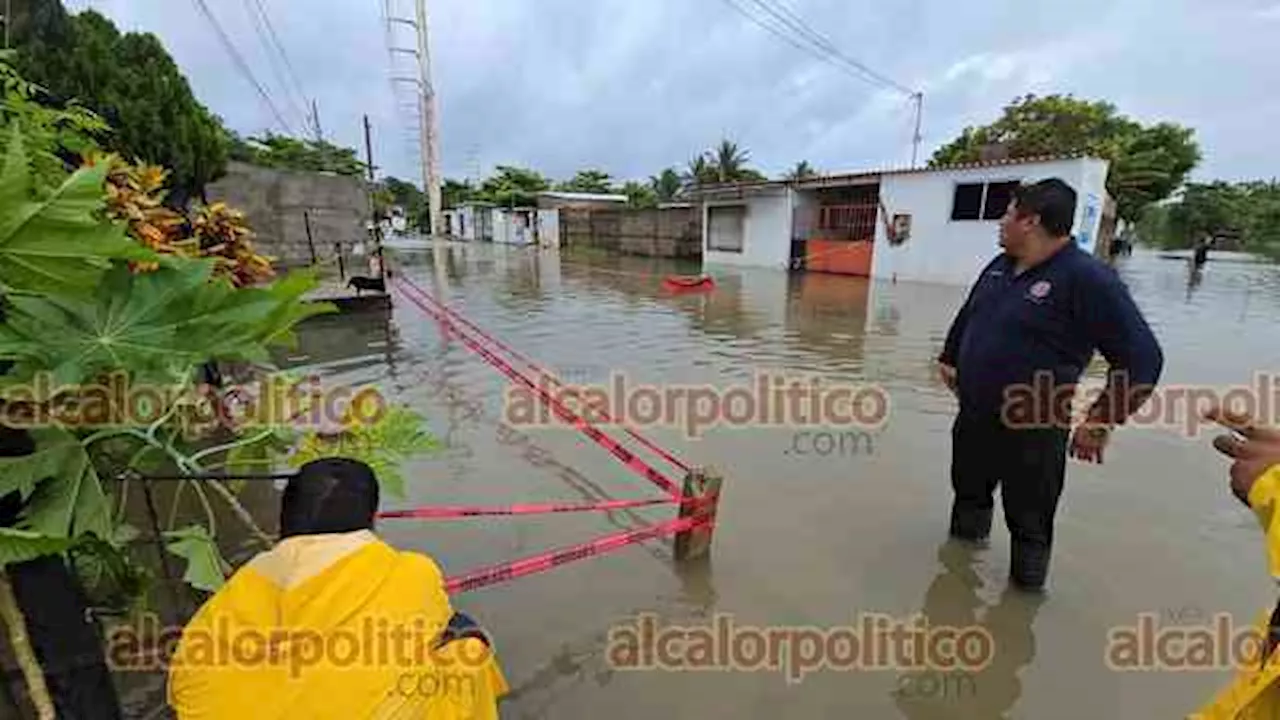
(632, 86)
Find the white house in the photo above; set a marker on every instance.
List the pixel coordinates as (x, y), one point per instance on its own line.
(927, 225)
(514, 226)
(470, 221)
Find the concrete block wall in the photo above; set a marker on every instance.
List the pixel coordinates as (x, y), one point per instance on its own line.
(274, 202)
(666, 233)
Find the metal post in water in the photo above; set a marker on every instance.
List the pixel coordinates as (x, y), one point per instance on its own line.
(377, 220)
(306, 220)
(702, 484)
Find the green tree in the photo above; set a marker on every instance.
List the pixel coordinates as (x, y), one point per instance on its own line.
(131, 82)
(512, 186)
(287, 153)
(455, 192)
(701, 171)
(640, 195)
(588, 181)
(1206, 209)
(666, 185)
(1152, 227)
(58, 137)
(1262, 224)
(408, 196)
(1147, 162)
(1249, 211)
(801, 171)
(729, 161)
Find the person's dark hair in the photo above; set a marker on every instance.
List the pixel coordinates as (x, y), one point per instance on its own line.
(1053, 200)
(333, 495)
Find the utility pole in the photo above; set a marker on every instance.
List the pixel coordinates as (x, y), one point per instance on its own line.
(315, 120)
(918, 97)
(429, 122)
(377, 220)
(424, 101)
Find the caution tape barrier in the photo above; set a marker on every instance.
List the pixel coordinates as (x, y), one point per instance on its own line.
(431, 512)
(541, 371)
(626, 456)
(548, 560)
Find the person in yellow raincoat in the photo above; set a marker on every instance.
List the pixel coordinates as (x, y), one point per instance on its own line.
(1254, 694)
(334, 623)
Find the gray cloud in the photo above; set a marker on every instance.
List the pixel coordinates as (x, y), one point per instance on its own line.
(631, 87)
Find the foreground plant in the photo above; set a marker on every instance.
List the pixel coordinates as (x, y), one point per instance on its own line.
(93, 288)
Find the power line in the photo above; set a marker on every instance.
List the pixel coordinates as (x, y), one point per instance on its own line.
(241, 65)
(254, 9)
(273, 40)
(806, 31)
(796, 32)
(776, 32)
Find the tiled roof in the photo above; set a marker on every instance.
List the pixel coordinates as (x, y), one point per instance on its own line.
(869, 175)
(978, 164)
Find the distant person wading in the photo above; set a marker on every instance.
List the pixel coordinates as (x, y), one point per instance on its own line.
(1201, 254)
(1039, 310)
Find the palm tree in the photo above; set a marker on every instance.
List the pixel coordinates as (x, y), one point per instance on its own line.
(729, 160)
(701, 170)
(666, 184)
(801, 171)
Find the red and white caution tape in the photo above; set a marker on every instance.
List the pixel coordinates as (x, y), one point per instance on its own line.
(665, 455)
(548, 560)
(457, 511)
(628, 458)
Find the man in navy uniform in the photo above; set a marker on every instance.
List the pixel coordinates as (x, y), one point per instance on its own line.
(1013, 357)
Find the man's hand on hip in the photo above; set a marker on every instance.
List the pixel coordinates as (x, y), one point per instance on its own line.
(1256, 453)
(948, 375)
(1089, 441)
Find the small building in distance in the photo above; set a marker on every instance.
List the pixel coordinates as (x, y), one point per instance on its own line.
(472, 221)
(937, 225)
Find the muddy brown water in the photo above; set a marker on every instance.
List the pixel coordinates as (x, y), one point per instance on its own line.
(807, 539)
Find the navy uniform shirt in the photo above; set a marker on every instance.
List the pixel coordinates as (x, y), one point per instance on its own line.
(1047, 322)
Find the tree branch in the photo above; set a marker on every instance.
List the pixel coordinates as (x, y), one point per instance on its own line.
(23, 652)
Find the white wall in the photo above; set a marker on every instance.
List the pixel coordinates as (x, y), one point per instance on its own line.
(461, 222)
(953, 252)
(1092, 194)
(549, 228)
(470, 216)
(513, 227)
(766, 231)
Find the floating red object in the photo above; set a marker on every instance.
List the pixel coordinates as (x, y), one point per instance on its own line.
(689, 283)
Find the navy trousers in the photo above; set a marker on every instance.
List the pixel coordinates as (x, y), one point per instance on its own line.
(1028, 465)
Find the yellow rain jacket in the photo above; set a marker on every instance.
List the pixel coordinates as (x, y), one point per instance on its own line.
(336, 626)
(1255, 692)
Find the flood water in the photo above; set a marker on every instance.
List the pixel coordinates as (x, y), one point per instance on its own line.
(807, 538)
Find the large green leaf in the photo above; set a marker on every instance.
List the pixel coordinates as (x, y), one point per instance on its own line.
(204, 562)
(152, 324)
(58, 244)
(22, 545)
(63, 494)
(72, 502)
(384, 445)
(25, 472)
